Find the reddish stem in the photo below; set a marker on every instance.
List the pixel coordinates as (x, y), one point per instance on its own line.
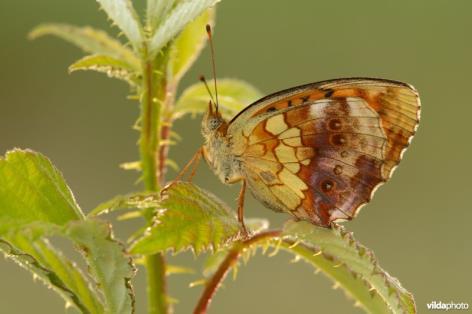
(166, 126)
(223, 269)
(216, 281)
(163, 152)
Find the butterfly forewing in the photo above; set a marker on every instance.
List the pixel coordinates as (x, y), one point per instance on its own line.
(319, 151)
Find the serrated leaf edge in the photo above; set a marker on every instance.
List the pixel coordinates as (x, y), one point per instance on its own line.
(368, 256)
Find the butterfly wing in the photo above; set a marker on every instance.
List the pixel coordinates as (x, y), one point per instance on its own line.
(319, 151)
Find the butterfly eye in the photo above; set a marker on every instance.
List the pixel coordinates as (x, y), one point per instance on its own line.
(213, 124)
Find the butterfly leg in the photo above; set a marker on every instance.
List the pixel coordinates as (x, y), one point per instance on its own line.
(241, 209)
(192, 163)
(198, 156)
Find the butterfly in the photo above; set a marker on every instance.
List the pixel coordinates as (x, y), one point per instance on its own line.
(317, 151)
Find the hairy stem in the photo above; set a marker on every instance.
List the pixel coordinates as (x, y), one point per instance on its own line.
(229, 261)
(151, 100)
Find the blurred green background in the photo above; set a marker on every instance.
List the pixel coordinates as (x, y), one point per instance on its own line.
(418, 224)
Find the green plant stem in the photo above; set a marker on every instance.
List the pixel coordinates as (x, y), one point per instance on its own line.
(149, 141)
(229, 261)
(149, 147)
(155, 268)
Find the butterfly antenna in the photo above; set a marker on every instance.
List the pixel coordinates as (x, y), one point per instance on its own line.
(203, 80)
(210, 39)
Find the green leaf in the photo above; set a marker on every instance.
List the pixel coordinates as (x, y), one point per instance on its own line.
(350, 264)
(188, 45)
(254, 226)
(125, 17)
(334, 252)
(141, 200)
(156, 11)
(108, 263)
(33, 190)
(182, 14)
(69, 273)
(234, 95)
(71, 279)
(35, 203)
(112, 67)
(50, 278)
(89, 40)
(189, 218)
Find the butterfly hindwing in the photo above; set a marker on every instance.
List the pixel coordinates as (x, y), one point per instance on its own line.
(319, 151)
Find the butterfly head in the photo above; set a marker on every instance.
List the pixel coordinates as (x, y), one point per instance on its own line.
(217, 149)
(213, 123)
